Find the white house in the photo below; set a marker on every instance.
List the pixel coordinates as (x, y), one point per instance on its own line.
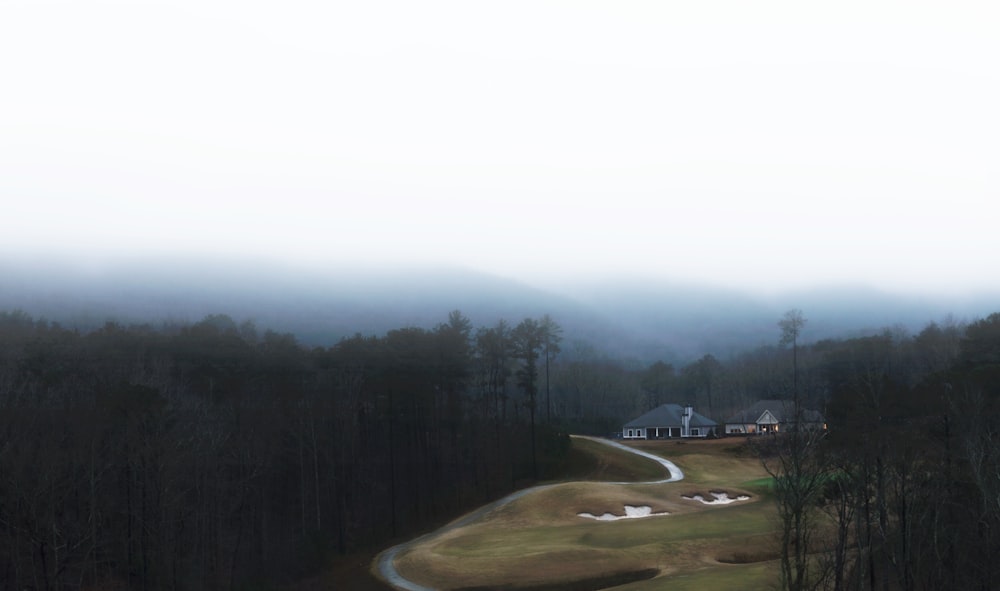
(668, 421)
(771, 416)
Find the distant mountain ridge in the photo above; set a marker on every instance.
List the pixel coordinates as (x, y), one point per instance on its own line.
(642, 320)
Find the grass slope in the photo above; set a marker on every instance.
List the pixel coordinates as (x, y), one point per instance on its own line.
(591, 460)
(538, 542)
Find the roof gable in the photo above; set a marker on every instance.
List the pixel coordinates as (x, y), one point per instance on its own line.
(780, 411)
(751, 414)
(767, 418)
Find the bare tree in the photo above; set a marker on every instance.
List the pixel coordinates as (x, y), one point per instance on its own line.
(527, 337)
(799, 473)
(791, 325)
(792, 459)
(551, 337)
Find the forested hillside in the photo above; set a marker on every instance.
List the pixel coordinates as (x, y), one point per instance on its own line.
(902, 492)
(643, 319)
(210, 456)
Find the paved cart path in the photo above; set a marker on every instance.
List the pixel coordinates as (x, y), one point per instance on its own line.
(386, 560)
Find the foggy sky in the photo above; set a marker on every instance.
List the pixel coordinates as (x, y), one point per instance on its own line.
(762, 145)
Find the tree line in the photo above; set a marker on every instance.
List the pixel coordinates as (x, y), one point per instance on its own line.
(211, 455)
(902, 491)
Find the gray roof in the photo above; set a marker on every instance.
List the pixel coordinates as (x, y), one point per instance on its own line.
(783, 410)
(669, 415)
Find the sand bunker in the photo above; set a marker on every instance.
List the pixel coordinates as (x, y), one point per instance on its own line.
(630, 513)
(721, 498)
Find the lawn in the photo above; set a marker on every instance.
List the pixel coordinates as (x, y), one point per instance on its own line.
(539, 541)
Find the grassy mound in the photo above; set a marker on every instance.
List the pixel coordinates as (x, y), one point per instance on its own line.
(591, 460)
(539, 542)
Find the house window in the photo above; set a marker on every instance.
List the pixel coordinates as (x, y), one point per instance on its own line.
(631, 433)
(695, 432)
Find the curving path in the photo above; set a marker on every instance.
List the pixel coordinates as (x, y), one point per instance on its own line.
(387, 559)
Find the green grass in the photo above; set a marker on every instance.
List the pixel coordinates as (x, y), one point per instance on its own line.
(765, 484)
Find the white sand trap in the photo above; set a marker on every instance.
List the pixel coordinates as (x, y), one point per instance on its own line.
(721, 498)
(630, 513)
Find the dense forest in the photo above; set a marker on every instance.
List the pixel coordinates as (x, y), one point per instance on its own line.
(903, 491)
(215, 455)
(210, 456)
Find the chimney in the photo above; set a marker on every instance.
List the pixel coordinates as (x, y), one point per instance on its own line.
(686, 421)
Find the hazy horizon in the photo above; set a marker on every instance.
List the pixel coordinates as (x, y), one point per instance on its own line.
(762, 148)
(94, 267)
(627, 319)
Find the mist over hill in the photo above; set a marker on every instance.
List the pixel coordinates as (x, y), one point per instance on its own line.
(634, 319)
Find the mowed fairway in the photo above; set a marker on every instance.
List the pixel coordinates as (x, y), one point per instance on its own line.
(540, 542)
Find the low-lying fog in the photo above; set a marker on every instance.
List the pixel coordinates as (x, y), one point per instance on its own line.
(644, 320)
